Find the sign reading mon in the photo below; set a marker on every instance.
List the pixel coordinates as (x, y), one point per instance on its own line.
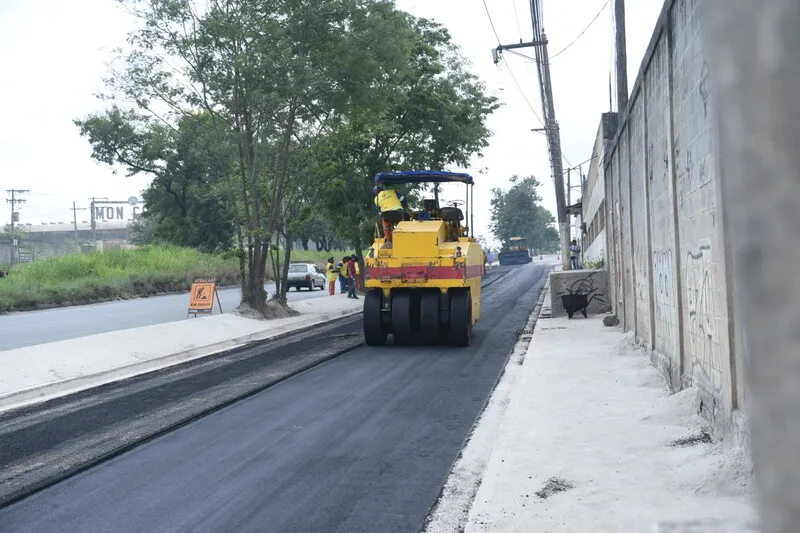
(116, 212)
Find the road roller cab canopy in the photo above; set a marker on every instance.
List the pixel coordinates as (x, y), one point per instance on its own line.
(422, 176)
(436, 176)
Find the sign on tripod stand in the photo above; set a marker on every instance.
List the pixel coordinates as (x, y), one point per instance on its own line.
(201, 297)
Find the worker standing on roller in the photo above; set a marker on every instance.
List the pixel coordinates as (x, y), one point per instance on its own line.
(392, 207)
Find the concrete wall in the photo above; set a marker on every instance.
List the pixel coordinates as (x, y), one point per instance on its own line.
(667, 263)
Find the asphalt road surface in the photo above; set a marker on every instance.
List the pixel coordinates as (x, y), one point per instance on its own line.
(37, 327)
(362, 442)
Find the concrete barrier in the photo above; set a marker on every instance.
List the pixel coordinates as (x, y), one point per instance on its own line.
(579, 290)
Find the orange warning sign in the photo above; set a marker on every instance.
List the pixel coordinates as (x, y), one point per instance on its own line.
(201, 299)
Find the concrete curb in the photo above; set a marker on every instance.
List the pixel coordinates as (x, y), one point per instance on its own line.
(453, 505)
(50, 391)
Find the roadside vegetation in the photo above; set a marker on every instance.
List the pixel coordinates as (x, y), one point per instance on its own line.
(111, 274)
(121, 274)
(518, 212)
(262, 122)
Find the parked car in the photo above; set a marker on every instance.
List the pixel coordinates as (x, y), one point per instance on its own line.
(306, 275)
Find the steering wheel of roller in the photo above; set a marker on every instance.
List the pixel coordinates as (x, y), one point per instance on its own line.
(455, 203)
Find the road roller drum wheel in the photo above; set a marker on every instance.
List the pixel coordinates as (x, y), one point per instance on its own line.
(374, 330)
(402, 317)
(460, 317)
(429, 317)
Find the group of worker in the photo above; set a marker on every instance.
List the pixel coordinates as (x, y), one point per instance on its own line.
(347, 272)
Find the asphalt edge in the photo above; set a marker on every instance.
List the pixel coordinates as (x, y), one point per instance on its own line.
(59, 389)
(15, 497)
(51, 391)
(524, 337)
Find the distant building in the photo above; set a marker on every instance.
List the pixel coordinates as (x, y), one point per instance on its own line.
(39, 241)
(593, 205)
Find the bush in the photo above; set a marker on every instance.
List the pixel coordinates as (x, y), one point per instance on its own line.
(594, 264)
(110, 274)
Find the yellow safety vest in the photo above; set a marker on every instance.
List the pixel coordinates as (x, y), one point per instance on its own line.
(343, 269)
(331, 272)
(388, 201)
(358, 268)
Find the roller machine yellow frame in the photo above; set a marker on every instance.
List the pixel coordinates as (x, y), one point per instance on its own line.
(426, 287)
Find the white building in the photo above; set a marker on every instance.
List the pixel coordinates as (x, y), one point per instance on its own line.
(593, 216)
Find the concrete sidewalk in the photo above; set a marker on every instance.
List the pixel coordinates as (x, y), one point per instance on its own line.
(582, 435)
(45, 371)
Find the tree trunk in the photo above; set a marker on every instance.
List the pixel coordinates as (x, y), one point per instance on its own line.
(285, 270)
(304, 242)
(255, 295)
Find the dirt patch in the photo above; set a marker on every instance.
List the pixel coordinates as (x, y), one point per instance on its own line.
(273, 310)
(702, 438)
(554, 485)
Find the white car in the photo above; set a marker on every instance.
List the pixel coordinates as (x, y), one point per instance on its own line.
(306, 275)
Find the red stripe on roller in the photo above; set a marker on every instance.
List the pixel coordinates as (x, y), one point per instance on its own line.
(424, 272)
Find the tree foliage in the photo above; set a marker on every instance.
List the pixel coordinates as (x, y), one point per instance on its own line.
(518, 212)
(263, 120)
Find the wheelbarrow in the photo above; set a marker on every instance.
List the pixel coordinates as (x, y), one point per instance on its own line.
(573, 303)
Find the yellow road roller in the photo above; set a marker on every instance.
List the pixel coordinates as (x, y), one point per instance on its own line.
(425, 287)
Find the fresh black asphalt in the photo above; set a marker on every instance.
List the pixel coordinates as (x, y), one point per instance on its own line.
(362, 442)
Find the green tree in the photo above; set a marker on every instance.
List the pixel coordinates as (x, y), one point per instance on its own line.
(183, 201)
(270, 74)
(424, 110)
(518, 212)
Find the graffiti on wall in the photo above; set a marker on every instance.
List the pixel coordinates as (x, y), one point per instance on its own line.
(701, 311)
(576, 295)
(618, 253)
(664, 299)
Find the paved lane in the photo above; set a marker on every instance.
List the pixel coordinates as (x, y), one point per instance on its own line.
(363, 442)
(37, 327)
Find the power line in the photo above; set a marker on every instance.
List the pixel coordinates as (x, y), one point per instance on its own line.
(581, 33)
(519, 87)
(491, 22)
(522, 92)
(516, 16)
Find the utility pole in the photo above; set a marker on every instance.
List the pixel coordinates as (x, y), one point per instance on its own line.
(14, 217)
(622, 55)
(569, 186)
(75, 218)
(550, 124)
(93, 219)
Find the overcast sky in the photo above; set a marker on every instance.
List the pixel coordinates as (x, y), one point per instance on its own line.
(53, 56)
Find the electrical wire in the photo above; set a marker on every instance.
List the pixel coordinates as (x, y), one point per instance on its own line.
(520, 54)
(522, 92)
(510, 72)
(516, 16)
(584, 31)
(491, 22)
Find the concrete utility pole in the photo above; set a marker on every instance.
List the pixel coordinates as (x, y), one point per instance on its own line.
(14, 217)
(622, 55)
(94, 221)
(550, 124)
(75, 218)
(755, 74)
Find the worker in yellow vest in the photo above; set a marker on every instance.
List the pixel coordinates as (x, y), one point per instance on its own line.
(392, 207)
(358, 273)
(342, 267)
(332, 273)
